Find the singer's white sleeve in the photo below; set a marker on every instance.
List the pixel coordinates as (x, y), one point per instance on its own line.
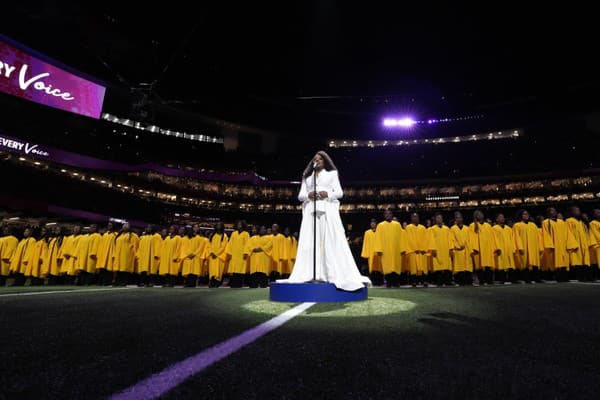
(303, 195)
(335, 192)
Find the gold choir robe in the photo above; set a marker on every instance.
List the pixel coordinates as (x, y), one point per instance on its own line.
(216, 264)
(22, 255)
(461, 255)
(389, 242)
(53, 258)
(506, 244)
(8, 245)
(82, 253)
(235, 252)
(106, 249)
(369, 252)
(482, 243)
(527, 240)
(288, 247)
(196, 246)
(34, 266)
(94, 240)
(556, 241)
(415, 260)
(126, 247)
(595, 240)
(169, 255)
(581, 255)
(260, 261)
(440, 241)
(69, 254)
(148, 253)
(279, 253)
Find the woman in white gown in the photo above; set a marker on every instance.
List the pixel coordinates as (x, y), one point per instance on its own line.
(335, 263)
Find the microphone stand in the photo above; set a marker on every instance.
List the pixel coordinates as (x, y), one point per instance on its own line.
(314, 279)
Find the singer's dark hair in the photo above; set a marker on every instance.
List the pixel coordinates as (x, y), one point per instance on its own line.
(329, 165)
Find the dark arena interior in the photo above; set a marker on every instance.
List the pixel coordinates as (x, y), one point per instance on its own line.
(152, 158)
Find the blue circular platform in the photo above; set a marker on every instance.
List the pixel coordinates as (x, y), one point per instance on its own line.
(313, 292)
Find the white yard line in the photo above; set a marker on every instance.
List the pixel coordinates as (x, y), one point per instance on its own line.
(160, 383)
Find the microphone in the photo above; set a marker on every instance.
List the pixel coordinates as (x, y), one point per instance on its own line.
(314, 165)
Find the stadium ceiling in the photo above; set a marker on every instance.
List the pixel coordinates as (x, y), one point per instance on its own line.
(326, 64)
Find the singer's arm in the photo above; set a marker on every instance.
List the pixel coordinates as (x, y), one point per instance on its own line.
(303, 195)
(335, 192)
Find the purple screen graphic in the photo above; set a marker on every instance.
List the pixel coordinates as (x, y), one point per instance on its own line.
(23, 75)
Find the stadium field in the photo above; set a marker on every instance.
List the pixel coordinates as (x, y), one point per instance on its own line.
(519, 341)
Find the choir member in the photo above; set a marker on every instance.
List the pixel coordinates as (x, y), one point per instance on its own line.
(258, 250)
(169, 257)
(235, 254)
(483, 246)
(8, 245)
(88, 274)
(579, 258)
(389, 247)
(69, 265)
(462, 264)
(53, 259)
(528, 247)
(279, 253)
(126, 246)
(415, 258)
(439, 246)
(148, 255)
(22, 257)
(34, 267)
(106, 249)
(216, 255)
(557, 241)
(505, 259)
(368, 252)
(289, 250)
(595, 249)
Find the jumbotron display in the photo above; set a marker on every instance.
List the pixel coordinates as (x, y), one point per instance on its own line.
(26, 76)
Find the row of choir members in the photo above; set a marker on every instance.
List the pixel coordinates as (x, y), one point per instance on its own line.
(91, 257)
(553, 250)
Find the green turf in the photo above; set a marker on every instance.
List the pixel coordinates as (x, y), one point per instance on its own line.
(539, 341)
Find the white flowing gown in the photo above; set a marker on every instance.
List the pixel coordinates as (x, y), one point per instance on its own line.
(335, 263)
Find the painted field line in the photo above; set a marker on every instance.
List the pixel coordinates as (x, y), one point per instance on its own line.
(158, 384)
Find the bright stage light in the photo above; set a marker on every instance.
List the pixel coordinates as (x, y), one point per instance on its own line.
(405, 122)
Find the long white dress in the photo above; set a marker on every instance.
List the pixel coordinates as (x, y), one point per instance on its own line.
(335, 263)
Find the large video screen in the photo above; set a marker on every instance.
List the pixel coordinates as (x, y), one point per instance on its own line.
(24, 75)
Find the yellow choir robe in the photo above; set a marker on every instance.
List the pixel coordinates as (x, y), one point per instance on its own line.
(197, 247)
(483, 241)
(506, 244)
(69, 265)
(126, 247)
(106, 249)
(278, 253)
(201, 258)
(389, 241)
(22, 255)
(556, 241)
(461, 255)
(8, 245)
(235, 252)
(581, 255)
(82, 253)
(527, 239)
(34, 266)
(595, 238)
(260, 261)
(148, 253)
(217, 246)
(368, 251)
(93, 247)
(440, 241)
(415, 260)
(53, 258)
(169, 256)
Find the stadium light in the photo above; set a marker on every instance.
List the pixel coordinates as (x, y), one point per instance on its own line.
(405, 122)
